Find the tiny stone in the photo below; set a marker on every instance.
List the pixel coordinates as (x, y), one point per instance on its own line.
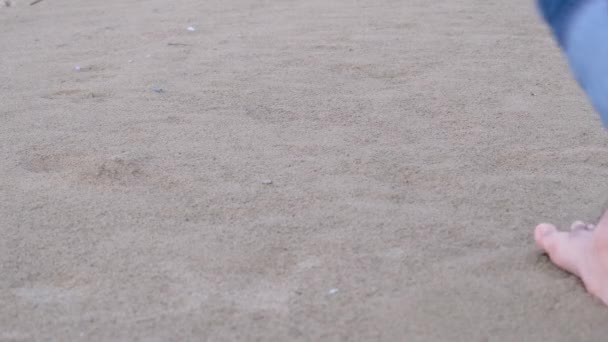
(333, 291)
(267, 181)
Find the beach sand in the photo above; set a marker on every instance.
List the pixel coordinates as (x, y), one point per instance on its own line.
(311, 171)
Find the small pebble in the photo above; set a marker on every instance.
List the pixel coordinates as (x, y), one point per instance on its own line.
(77, 68)
(267, 181)
(333, 291)
(191, 28)
(158, 90)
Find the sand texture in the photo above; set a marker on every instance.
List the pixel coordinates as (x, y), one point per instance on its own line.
(344, 170)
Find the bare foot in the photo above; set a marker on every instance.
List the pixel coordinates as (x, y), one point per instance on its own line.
(582, 251)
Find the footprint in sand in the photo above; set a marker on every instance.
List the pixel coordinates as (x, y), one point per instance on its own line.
(121, 171)
(116, 171)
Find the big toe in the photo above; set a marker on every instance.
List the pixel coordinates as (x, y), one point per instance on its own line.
(564, 248)
(544, 235)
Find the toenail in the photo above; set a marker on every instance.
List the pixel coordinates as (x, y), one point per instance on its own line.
(544, 229)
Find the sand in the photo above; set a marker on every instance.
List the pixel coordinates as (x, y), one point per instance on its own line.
(312, 171)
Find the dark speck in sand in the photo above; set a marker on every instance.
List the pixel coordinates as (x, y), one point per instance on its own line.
(158, 90)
